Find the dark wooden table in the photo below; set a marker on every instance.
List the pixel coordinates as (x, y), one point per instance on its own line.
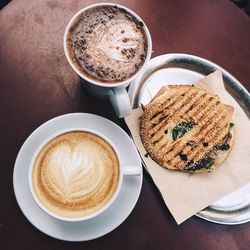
(37, 84)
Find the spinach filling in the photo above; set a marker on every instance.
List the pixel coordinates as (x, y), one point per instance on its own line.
(180, 129)
(206, 163)
(225, 146)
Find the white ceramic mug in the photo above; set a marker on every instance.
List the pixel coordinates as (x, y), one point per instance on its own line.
(115, 92)
(124, 171)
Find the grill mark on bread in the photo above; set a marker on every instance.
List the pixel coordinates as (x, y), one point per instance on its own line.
(180, 110)
(155, 115)
(187, 135)
(196, 111)
(163, 145)
(184, 141)
(172, 100)
(156, 131)
(197, 106)
(181, 104)
(204, 130)
(199, 149)
(159, 140)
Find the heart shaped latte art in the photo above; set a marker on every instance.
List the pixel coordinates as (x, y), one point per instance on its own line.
(74, 172)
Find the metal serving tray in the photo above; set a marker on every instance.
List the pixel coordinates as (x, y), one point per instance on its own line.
(186, 69)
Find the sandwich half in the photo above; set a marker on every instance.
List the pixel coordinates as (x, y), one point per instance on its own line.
(187, 128)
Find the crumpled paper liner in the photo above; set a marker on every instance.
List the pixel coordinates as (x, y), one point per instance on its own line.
(186, 194)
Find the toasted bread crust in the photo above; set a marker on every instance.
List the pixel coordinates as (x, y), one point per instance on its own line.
(207, 121)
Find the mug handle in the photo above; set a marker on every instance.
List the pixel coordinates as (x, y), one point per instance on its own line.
(120, 101)
(132, 170)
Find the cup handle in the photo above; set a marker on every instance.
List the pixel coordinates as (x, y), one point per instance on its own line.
(120, 101)
(131, 170)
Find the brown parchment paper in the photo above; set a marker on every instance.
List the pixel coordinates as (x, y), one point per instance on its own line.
(186, 194)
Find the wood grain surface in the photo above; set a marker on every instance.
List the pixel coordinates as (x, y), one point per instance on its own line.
(37, 84)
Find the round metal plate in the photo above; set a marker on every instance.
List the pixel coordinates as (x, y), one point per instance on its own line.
(187, 69)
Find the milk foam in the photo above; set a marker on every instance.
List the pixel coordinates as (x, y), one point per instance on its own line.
(75, 174)
(107, 44)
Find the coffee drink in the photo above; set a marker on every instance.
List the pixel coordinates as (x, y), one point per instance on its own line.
(75, 174)
(107, 44)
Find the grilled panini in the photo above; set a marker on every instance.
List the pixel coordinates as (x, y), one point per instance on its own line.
(187, 128)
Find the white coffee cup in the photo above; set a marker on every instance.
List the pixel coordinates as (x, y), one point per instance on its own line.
(115, 92)
(124, 171)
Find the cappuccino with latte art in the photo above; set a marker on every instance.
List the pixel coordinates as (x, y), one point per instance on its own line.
(107, 44)
(75, 174)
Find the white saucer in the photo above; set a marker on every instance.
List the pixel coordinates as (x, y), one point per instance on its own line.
(105, 222)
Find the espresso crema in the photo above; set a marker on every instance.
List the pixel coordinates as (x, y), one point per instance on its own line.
(107, 44)
(75, 174)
